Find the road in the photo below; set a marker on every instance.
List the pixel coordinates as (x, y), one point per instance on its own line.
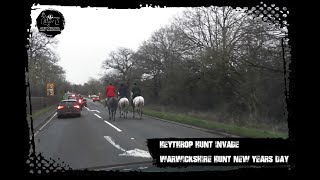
(93, 141)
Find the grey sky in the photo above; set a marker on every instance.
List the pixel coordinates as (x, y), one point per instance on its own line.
(91, 33)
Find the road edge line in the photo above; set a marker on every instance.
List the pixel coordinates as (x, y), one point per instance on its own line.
(45, 119)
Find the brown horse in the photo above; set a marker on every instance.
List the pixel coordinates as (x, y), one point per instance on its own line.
(112, 104)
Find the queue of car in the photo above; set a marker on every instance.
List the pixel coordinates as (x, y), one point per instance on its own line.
(68, 107)
(72, 104)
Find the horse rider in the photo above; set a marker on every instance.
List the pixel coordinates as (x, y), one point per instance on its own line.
(122, 92)
(110, 92)
(135, 91)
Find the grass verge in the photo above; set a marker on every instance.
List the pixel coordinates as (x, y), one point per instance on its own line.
(212, 125)
(39, 113)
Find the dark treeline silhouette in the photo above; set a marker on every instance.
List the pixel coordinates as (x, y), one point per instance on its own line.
(213, 59)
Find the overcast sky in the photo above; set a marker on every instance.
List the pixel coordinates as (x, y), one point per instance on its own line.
(90, 34)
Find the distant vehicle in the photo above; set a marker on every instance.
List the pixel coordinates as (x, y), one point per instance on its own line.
(78, 100)
(68, 107)
(95, 98)
(82, 102)
(71, 97)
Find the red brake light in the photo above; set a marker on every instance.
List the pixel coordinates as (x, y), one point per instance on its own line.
(80, 100)
(77, 106)
(60, 107)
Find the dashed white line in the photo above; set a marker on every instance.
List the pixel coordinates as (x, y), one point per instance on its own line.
(95, 111)
(109, 123)
(131, 138)
(92, 110)
(113, 126)
(98, 116)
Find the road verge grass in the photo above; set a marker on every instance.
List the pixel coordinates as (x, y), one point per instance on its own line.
(212, 125)
(38, 113)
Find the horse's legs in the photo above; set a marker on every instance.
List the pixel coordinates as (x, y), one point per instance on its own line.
(111, 115)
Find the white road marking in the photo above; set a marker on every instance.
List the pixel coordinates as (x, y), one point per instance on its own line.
(92, 110)
(48, 121)
(34, 135)
(113, 126)
(110, 140)
(98, 116)
(131, 138)
(43, 126)
(135, 152)
(95, 111)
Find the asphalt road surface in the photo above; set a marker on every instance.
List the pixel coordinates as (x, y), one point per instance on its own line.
(93, 141)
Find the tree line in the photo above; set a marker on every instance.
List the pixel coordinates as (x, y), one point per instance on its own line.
(43, 67)
(210, 59)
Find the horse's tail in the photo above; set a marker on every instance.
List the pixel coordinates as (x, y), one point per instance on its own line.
(123, 103)
(138, 101)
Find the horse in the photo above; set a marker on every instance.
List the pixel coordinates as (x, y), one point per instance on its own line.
(112, 107)
(137, 105)
(123, 105)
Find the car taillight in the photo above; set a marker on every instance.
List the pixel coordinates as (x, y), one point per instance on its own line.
(77, 106)
(80, 100)
(60, 107)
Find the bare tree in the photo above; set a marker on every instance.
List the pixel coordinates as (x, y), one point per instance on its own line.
(42, 63)
(121, 60)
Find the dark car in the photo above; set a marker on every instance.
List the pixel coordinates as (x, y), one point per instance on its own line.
(68, 107)
(72, 97)
(78, 99)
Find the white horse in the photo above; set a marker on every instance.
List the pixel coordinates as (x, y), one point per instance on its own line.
(123, 106)
(138, 103)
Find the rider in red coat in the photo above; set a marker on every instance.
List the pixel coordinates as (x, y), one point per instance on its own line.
(110, 92)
